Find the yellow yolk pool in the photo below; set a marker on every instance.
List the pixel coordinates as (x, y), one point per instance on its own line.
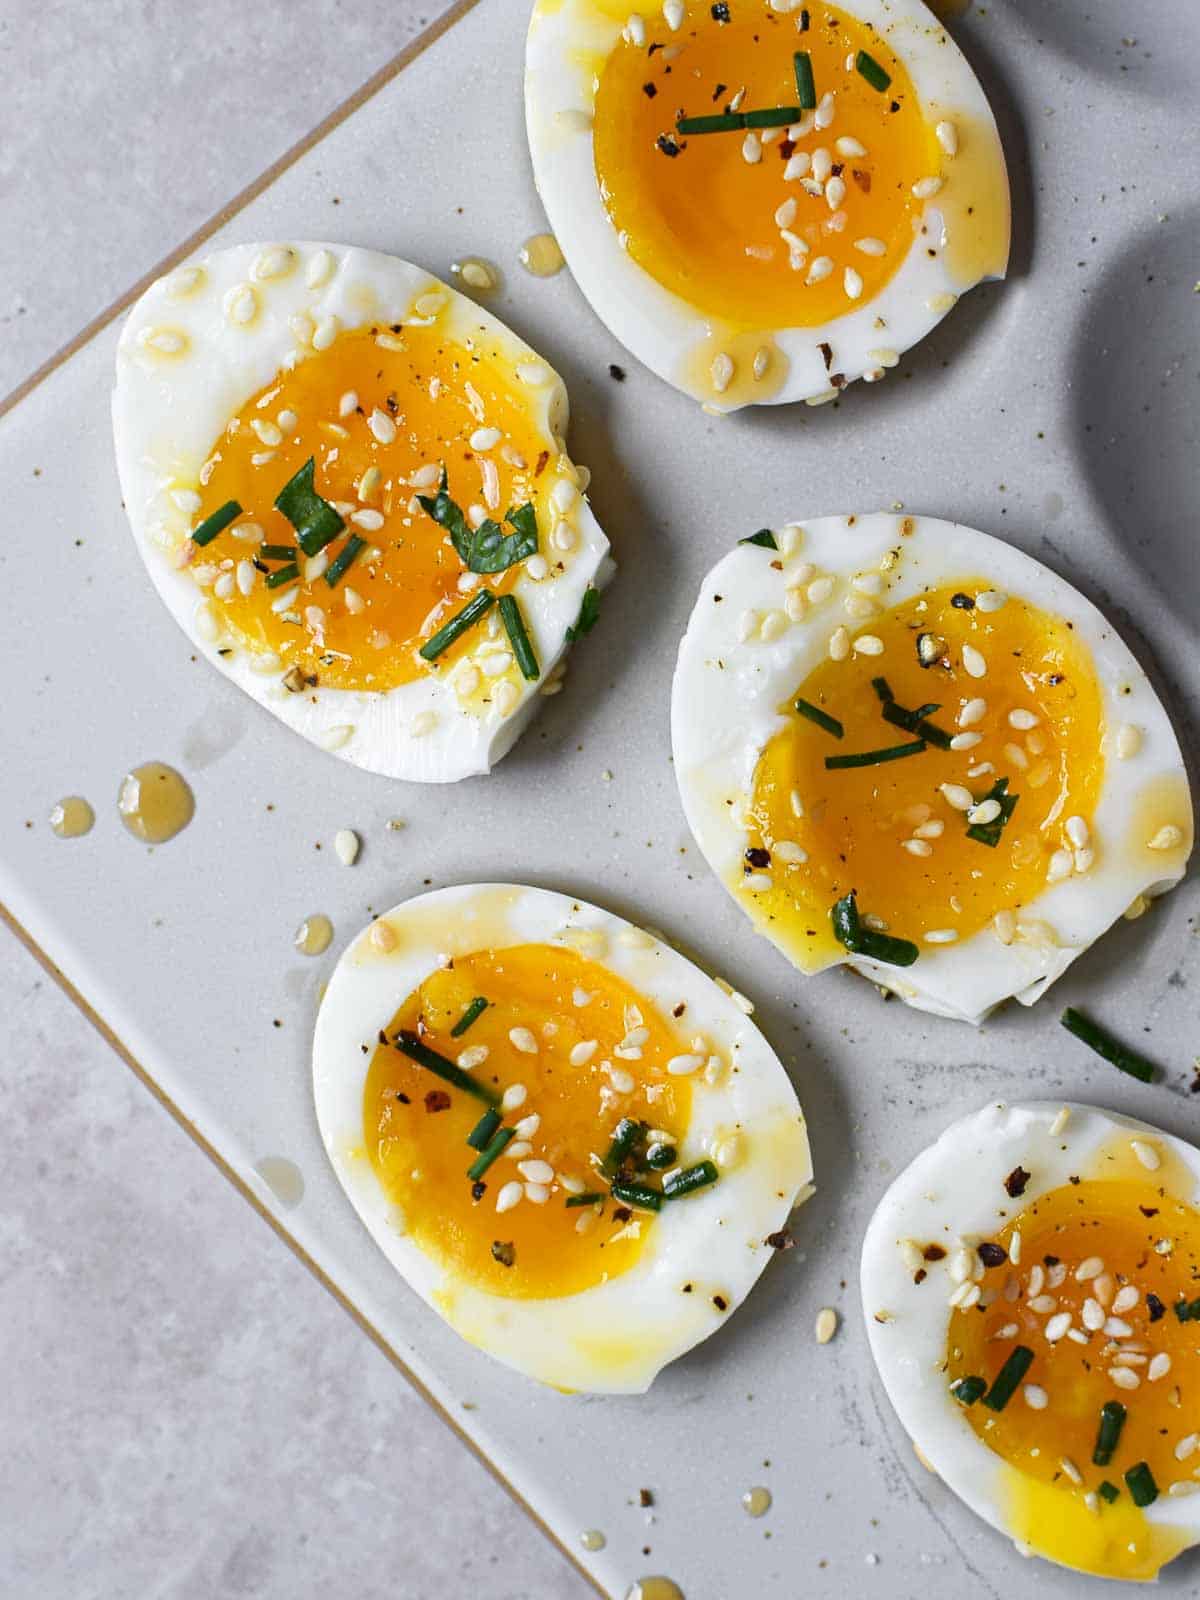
(380, 410)
(896, 833)
(1102, 1264)
(707, 222)
(595, 1051)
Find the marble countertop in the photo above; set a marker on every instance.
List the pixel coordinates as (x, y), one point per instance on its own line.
(188, 1415)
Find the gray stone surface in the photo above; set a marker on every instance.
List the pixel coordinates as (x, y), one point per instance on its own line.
(186, 1414)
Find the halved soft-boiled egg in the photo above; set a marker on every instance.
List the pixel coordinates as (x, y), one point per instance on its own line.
(571, 1143)
(906, 746)
(764, 200)
(350, 485)
(1031, 1285)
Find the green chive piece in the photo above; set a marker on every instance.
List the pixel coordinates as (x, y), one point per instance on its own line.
(278, 552)
(1006, 1380)
(625, 1136)
(588, 1199)
(806, 89)
(772, 116)
(1139, 1480)
(875, 758)
(1187, 1310)
(314, 519)
(214, 522)
(821, 718)
(282, 575)
(589, 615)
(910, 721)
(472, 1014)
(639, 1195)
(848, 930)
(458, 625)
(763, 537)
(1108, 1491)
(1102, 1042)
(967, 1390)
(344, 560)
(1112, 1420)
(486, 548)
(689, 1180)
(869, 68)
(480, 1135)
(661, 1155)
(989, 832)
(415, 1050)
(514, 626)
(486, 1156)
(723, 122)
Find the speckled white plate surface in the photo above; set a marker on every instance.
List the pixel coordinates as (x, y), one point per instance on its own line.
(1057, 410)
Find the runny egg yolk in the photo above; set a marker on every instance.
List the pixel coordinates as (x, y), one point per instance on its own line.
(1015, 689)
(573, 1050)
(381, 411)
(1103, 1266)
(779, 227)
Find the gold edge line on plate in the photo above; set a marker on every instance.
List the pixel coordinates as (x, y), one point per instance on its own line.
(149, 1082)
(378, 80)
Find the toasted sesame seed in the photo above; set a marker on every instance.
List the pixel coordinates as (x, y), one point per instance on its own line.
(926, 188)
(916, 847)
(957, 796)
(839, 644)
(1035, 1397)
(722, 370)
(522, 1039)
(966, 741)
(819, 268)
(850, 147)
(1124, 1377)
(1061, 865)
(382, 936)
(852, 283)
(941, 936)
(1128, 741)
(1167, 838)
(973, 662)
(1146, 1154)
(346, 846)
(827, 1324)
(868, 644)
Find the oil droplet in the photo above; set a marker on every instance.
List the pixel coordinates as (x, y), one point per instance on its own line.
(314, 935)
(541, 255)
(72, 818)
(592, 1539)
(477, 273)
(655, 1589)
(155, 802)
(283, 1178)
(756, 1502)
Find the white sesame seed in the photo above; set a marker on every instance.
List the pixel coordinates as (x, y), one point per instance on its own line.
(1035, 1397)
(247, 577)
(820, 589)
(916, 847)
(721, 371)
(1037, 1277)
(929, 830)
(684, 1066)
(973, 711)
(368, 519)
(673, 13)
(835, 193)
(826, 1325)
(1060, 1121)
(1187, 1446)
(1102, 1288)
(1124, 1377)
(510, 1195)
(1117, 1328)
(852, 283)
(325, 332)
(536, 1171)
(1017, 756)
(346, 846)
(522, 1039)
(1125, 1299)
(941, 936)
(870, 246)
(752, 149)
(473, 1056)
(947, 137)
(1057, 1326)
(485, 438)
(957, 796)
(518, 1150)
(797, 166)
(826, 110)
(785, 214)
(513, 1097)
(1092, 1314)
(1167, 838)
(1022, 719)
(819, 268)
(1090, 1267)
(320, 269)
(382, 426)
(789, 852)
(868, 644)
(1129, 741)
(965, 1296)
(285, 601)
(622, 1081)
(1014, 1248)
(423, 724)
(1146, 1154)
(940, 303)
(583, 1052)
(1159, 1366)
(839, 644)
(850, 147)
(966, 741)
(973, 662)
(1077, 831)
(822, 164)
(926, 188)
(985, 811)
(1043, 1304)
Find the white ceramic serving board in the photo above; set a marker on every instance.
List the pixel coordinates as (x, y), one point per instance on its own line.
(1058, 410)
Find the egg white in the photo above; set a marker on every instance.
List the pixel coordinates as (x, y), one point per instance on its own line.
(959, 1181)
(724, 712)
(715, 1239)
(566, 39)
(189, 358)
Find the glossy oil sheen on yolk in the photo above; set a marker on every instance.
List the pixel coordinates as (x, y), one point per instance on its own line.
(1145, 1239)
(855, 821)
(702, 222)
(422, 1156)
(404, 585)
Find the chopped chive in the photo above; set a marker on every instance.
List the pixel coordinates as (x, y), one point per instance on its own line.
(1102, 1042)
(719, 122)
(486, 548)
(412, 1047)
(588, 1199)
(1139, 1480)
(848, 930)
(1108, 1491)
(342, 562)
(639, 1195)
(214, 522)
(1112, 1420)
(282, 575)
(518, 637)
(1005, 1382)
(278, 552)
(480, 1135)
(967, 1390)
(763, 537)
(314, 519)
(772, 116)
(874, 758)
(458, 625)
(910, 721)
(486, 1156)
(678, 1184)
(625, 1136)
(806, 89)
(989, 832)
(661, 1155)
(589, 615)
(472, 1014)
(869, 68)
(821, 718)
(1187, 1310)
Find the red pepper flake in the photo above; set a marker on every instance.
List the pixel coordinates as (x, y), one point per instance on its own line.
(541, 463)
(934, 1252)
(1015, 1183)
(861, 178)
(504, 1252)
(786, 147)
(437, 1100)
(645, 1497)
(920, 1275)
(719, 91)
(826, 354)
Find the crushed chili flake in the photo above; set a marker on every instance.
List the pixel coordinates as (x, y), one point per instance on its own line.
(920, 1275)
(645, 1497)
(861, 178)
(934, 1252)
(826, 354)
(503, 1252)
(719, 90)
(437, 1100)
(1015, 1183)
